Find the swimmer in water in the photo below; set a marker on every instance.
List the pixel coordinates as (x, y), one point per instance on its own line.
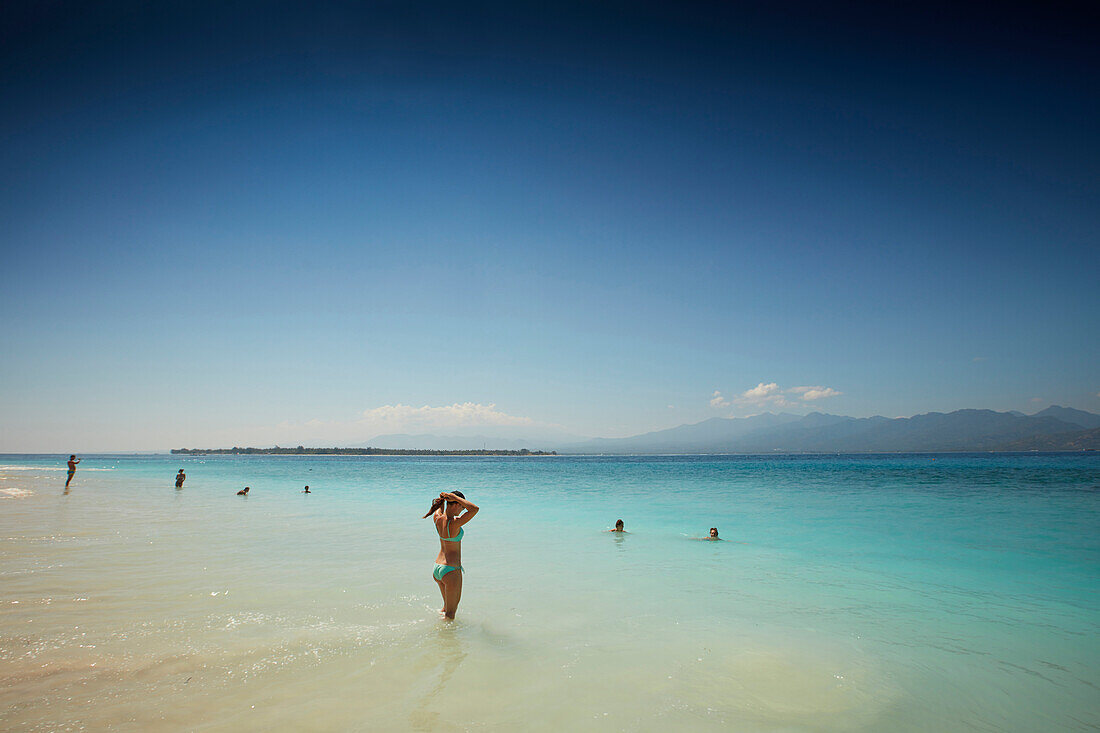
(449, 512)
(618, 526)
(244, 491)
(73, 460)
(713, 534)
(307, 491)
(180, 478)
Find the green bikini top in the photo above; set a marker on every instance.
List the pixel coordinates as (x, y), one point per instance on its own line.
(456, 538)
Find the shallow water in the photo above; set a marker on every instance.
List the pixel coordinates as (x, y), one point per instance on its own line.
(902, 593)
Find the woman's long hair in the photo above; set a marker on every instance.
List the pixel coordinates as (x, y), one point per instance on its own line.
(440, 501)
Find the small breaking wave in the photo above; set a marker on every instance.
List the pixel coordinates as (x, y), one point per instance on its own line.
(16, 467)
(15, 493)
(12, 467)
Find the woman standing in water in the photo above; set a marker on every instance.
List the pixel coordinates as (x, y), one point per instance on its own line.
(73, 460)
(449, 512)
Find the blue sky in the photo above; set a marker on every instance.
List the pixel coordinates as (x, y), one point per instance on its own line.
(225, 226)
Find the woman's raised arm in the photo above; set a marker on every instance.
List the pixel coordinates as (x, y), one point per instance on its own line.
(470, 507)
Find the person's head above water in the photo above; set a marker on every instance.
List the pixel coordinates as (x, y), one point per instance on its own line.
(453, 507)
(619, 525)
(714, 532)
(243, 491)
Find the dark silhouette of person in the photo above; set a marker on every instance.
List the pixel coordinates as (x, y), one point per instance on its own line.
(73, 460)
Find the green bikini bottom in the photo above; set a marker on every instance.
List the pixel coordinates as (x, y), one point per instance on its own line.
(441, 570)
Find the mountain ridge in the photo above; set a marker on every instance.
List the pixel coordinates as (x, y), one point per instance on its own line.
(960, 430)
(1051, 429)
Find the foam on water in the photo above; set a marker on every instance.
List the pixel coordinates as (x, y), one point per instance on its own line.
(852, 593)
(14, 493)
(17, 467)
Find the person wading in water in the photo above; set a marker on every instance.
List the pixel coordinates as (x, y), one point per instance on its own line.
(450, 512)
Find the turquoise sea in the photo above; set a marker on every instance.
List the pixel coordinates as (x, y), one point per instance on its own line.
(850, 593)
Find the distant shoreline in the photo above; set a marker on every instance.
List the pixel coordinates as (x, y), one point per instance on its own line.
(302, 451)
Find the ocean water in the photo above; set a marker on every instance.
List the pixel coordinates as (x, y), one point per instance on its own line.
(850, 593)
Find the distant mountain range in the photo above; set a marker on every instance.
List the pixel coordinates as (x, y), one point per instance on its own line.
(1052, 429)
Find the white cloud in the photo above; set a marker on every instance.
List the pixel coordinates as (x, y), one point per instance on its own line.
(763, 395)
(398, 418)
(770, 394)
(717, 400)
(810, 394)
(761, 391)
(449, 416)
